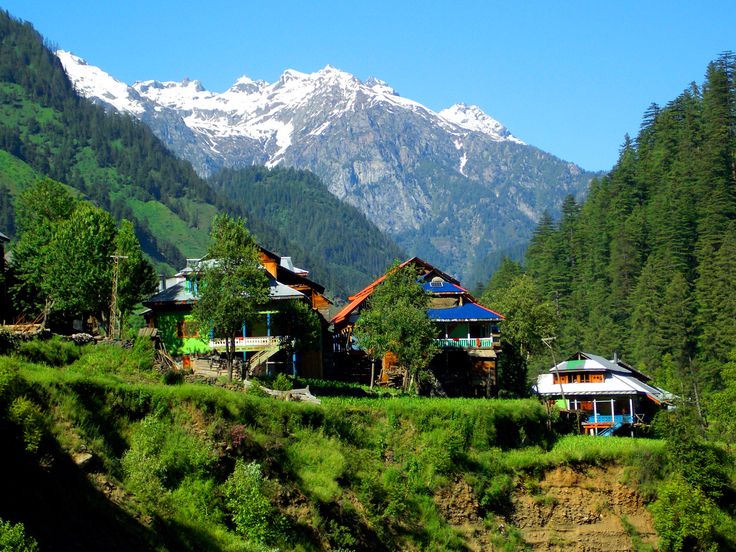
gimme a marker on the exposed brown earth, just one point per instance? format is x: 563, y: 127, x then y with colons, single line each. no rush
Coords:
x: 570, y: 509
x: 582, y: 510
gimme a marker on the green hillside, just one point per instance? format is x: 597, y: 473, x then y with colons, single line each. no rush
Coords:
x: 297, y: 203
x: 46, y: 129
x: 100, y: 450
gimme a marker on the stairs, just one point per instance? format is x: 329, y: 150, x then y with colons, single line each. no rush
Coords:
x: 261, y: 357
x: 609, y: 431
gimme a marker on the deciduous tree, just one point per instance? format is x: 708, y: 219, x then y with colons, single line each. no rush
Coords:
x: 233, y: 285
x: 396, y: 321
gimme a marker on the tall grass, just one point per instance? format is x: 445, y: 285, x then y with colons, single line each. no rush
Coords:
x: 350, y: 472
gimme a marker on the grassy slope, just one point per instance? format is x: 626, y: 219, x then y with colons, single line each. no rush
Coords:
x: 353, y: 473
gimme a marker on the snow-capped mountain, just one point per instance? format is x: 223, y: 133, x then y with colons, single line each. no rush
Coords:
x: 451, y: 186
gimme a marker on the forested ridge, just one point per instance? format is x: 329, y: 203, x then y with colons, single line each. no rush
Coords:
x: 297, y: 202
x: 646, y: 266
x: 46, y: 129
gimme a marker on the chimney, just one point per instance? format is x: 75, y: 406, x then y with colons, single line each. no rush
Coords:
x: 162, y: 282
x: 615, y: 357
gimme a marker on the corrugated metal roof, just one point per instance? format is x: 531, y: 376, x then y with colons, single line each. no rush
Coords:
x: 467, y: 312
x: 359, y: 298
x: 614, y: 384
x: 443, y: 287
x: 590, y: 362
x: 178, y: 294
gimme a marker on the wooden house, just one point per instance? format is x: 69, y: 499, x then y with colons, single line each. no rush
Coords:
x: 467, y: 332
x: 611, y: 395
x: 264, y: 342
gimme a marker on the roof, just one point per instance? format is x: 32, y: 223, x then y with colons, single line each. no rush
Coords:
x: 593, y: 363
x: 614, y: 384
x: 288, y: 264
x: 356, y: 300
x: 3, y: 237
x: 176, y: 294
x: 443, y: 287
x: 582, y: 361
x: 179, y: 295
x: 467, y: 312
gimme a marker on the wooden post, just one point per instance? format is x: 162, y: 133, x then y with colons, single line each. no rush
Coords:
x: 631, y: 413
x: 595, y: 416
x: 613, y: 419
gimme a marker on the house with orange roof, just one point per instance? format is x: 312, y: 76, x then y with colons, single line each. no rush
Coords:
x: 467, y: 332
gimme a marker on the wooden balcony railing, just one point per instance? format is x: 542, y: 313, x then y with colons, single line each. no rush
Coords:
x: 249, y: 343
x: 468, y: 343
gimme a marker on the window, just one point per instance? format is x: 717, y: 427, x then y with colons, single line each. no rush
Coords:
x: 579, y: 377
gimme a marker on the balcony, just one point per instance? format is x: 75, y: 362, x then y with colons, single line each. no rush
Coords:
x: 468, y: 342
x: 248, y: 344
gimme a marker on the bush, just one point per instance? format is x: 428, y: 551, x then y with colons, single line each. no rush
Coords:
x: 172, y: 377
x: 250, y: 509
x: 162, y: 454
x: 28, y: 417
x: 684, y: 517
x: 8, y: 342
x: 13, y: 538
x: 54, y: 352
x: 282, y: 382
x: 496, y: 495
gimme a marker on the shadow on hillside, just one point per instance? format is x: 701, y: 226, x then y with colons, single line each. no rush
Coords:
x: 61, y: 509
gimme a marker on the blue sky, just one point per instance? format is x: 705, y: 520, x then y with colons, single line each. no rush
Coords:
x: 571, y: 77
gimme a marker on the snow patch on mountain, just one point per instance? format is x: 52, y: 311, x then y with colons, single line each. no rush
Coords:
x: 472, y: 117
x: 93, y: 82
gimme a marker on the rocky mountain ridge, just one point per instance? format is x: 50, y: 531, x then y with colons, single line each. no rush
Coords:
x: 452, y: 186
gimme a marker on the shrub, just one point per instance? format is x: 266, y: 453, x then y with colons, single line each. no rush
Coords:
x: 194, y: 501
x: 319, y: 462
x: 54, y: 352
x: 13, y: 538
x: 8, y: 342
x: 684, y: 517
x: 282, y: 382
x: 250, y: 509
x: 172, y: 377
x: 28, y: 417
x: 161, y: 456
x: 496, y: 495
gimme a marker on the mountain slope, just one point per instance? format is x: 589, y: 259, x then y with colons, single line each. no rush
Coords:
x: 452, y: 186
x: 646, y: 266
x: 112, y: 159
x: 298, y: 203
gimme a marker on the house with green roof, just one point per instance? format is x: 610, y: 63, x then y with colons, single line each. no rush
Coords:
x: 611, y: 396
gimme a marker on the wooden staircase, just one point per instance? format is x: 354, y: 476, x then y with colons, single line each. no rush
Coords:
x: 261, y: 357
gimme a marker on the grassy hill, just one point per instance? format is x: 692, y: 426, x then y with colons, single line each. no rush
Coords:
x: 46, y: 129
x: 100, y: 451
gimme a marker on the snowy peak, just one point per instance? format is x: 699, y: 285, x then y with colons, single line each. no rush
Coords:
x: 472, y: 117
x: 184, y: 95
x: 93, y: 82
x: 246, y: 85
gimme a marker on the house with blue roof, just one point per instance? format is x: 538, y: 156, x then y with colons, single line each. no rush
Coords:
x: 467, y: 332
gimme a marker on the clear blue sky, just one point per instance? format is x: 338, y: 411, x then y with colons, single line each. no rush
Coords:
x: 571, y: 77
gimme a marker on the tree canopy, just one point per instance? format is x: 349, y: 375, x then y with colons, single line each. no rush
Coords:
x: 395, y: 321
x: 62, y: 260
x: 233, y: 286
